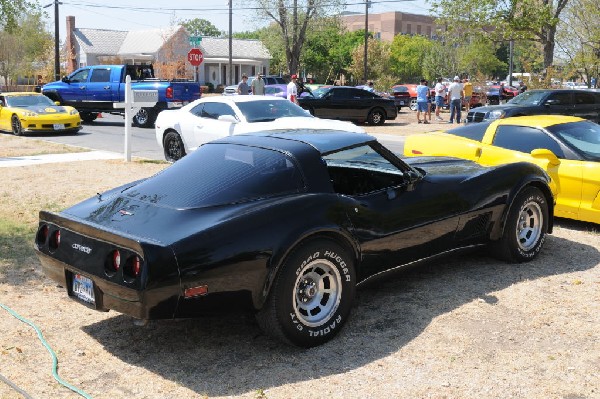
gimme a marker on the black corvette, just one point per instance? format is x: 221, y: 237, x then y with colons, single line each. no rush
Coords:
x: 286, y: 224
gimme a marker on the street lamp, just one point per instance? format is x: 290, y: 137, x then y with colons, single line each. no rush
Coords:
x: 56, y: 39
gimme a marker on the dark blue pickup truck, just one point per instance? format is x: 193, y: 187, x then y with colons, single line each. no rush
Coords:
x: 94, y: 89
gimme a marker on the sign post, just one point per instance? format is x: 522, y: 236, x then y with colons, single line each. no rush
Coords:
x: 195, y: 57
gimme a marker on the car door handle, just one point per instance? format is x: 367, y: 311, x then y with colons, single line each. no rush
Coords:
x: 106, y: 87
x: 81, y: 87
x: 478, y: 152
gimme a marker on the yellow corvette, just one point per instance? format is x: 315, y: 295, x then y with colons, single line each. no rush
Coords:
x: 22, y: 113
x: 568, y: 148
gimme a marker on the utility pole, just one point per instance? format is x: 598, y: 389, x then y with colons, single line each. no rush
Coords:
x: 56, y: 39
x: 367, y: 5
x: 230, y: 45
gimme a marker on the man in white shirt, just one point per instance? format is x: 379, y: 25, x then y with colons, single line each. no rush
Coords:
x: 440, y: 95
x: 455, y: 97
x: 292, y: 90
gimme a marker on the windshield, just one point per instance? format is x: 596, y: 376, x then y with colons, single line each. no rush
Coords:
x: 28, y: 101
x: 219, y: 174
x: 320, y: 92
x: 269, y: 110
x: 584, y: 136
x: 528, y: 98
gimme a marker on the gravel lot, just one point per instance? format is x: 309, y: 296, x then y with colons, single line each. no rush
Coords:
x: 464, y: 327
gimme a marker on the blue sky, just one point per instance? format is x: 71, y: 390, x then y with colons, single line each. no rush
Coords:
x: 149, y: 14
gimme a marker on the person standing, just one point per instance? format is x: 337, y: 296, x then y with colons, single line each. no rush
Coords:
x: 428, y: 113
x: 243, y: 87
x: 292, y: 90
x: 370, y: 86
x: 468, y: 91
x: 440, y: 94
x: 455, y: 97
x: 522, y: 87
x: 422, y: 91
x: 258, y: 85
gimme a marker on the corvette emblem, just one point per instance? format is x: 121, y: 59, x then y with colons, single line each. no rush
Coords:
x: 123, y: 212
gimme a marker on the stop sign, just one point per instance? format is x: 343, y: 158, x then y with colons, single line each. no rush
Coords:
x: 195, y: 56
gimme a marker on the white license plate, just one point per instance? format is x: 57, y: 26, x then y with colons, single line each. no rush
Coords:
x: 59, y: 126
x: 83, y: 288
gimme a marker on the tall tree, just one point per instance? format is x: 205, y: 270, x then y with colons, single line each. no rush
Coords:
x: 407, y: 54
x: 11, y: 11
x: 200, y: 27
x: 293, y: 17
x: 504, y: 20
x: 578, y: 40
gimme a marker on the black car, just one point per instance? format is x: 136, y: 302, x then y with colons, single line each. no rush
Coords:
x: 581, y: 103
x: 349, y: 103
x: 401, y: 96
x: 287, y: 225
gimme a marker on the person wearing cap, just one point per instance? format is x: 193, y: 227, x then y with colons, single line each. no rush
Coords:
x: 292, y: 90
x: 455, y: 98
x: 243, y: 87
x: 468, y: 92
x: 258, y: 85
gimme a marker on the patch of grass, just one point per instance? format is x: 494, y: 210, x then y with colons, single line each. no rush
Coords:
x: 151, y: 161
x: 16, y: 242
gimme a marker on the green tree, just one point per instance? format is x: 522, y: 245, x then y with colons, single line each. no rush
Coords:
x: 200, y: 27
x: 519, y: 20
x: 479, y: 58
x: 578, y: 40
x: 406, y: 56
x: 378, y: 61
x: 293, y: 19
x: 11, y: 12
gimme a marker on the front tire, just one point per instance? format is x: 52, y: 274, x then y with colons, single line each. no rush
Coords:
x: 88, y: 117
x: 173, y: 146
x: 16, y: 126
x: 413, y: 104
x: 311, y: 296
x: 525, y: 229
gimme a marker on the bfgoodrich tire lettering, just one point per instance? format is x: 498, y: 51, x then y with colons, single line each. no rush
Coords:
x: 311, y: 296
x: 525, y: 229
x: 173, y: 147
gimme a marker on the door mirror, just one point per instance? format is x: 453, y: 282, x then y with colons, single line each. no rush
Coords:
x: 66, y: 79
x: 227, y: 118
x: 542, y: 153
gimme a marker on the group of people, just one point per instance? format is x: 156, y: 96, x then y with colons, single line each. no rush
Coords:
x: 458, y: 94
x: 258, y: 87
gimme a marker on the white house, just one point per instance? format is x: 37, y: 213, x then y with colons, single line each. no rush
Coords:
x: 104, y: 46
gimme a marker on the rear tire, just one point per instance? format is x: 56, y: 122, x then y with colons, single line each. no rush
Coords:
x: 376, y: 117
x: 413, y: 104
x: 88, y: 117
x: 173, y: 146
x: 525, y: 229
x: 311, y: 296
x: 145, y: 118
x: 16, y: 126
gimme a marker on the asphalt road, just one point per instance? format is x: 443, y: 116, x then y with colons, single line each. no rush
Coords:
x: 108, y: 134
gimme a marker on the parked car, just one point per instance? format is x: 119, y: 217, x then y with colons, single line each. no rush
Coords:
x: 349, y: 103
x: 582, y: 103
x: 96, y: 88
x: 287, y: 225
x: 269, y: 80
x: 494, y: 96
x: 179, y: 132
x: 401, y: 96
x: 22, y: 113
x: 568, y: 148
x: 412, y: 90
x: 277, y: 90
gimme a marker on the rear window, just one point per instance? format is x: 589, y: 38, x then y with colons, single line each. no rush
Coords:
x: 218, y: 174
x: 473, y: 131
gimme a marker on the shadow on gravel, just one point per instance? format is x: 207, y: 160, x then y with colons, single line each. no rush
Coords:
x: 228, y: 355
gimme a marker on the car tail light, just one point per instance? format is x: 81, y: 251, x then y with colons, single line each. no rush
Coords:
x: 133, y: 267
x: 42, y: 235
x: 112, y: 264
x: 169, y: 93
x: 54, y: 242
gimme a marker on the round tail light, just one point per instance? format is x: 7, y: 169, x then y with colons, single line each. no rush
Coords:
x: 54, y: 242
x: 132, y: 269
x: 112, y: 263
x: 42, y: 235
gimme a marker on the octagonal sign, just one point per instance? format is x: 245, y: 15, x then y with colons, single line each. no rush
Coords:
x: 195, y: 56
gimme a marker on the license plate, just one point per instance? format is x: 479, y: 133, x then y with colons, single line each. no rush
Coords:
x: 83, y: 288
x: 59, y: 126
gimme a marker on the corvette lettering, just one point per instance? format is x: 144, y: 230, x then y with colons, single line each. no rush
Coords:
x: 82, y: 248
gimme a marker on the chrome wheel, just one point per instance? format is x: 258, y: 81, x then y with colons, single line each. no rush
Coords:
x: 317, y: 292
x: 529, y: 225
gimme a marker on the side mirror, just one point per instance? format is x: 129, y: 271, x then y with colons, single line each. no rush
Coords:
x: 542, y: 153
x: 551, y: 102
x: 66, y: 79
x: 227, y: 118
x: 57, y: 102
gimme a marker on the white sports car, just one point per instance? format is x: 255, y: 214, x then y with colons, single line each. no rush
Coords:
x: 181, y: 131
